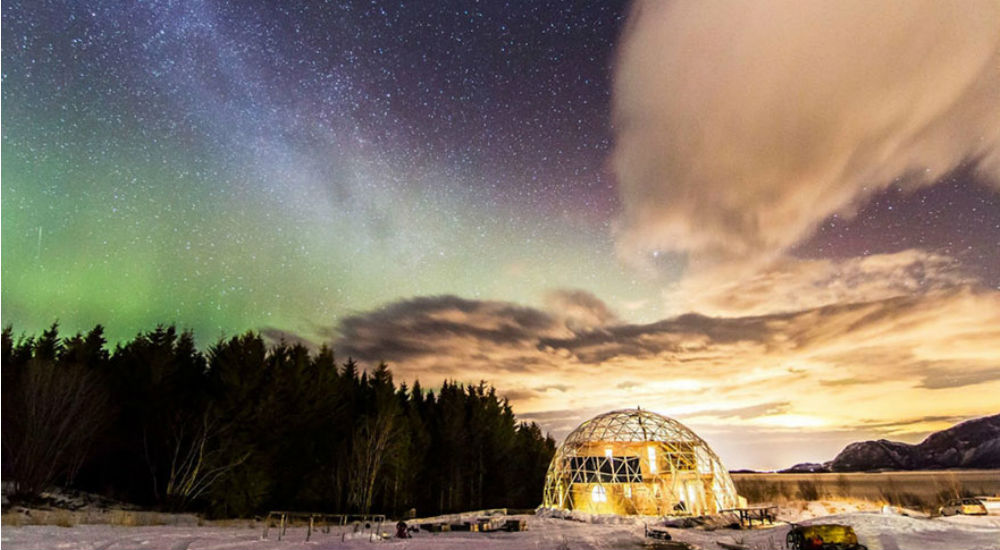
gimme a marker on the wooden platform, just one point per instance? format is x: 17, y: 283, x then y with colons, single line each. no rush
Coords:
x: 761, y: 514
x: 482, y: 524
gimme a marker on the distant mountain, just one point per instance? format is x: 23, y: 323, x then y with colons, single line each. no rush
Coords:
x: 876, y: 455
x: 806, y: 468
x: 971, y: 444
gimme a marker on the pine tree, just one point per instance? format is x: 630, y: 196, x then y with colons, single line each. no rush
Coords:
x: 248, y: 427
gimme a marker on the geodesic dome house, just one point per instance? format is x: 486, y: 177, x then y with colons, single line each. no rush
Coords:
x: 635, y: 462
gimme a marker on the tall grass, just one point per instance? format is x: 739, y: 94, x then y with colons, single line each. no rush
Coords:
x: 919, y: 490
x: 66, y: 518
x: 808, y: 489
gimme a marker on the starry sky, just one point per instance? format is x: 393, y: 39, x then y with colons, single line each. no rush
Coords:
x: 591, y: 204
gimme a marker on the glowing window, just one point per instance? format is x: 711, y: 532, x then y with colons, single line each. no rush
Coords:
x: 628, y: 491
x: 652, y: 460
x: 607, y: 452
x: 597, y: 494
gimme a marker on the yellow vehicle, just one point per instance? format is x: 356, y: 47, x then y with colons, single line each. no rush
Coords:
x: 825, y: 536
x: 964, y: 507
x: 992, y: 504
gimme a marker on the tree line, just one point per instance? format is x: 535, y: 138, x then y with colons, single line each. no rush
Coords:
x: 246, y: 427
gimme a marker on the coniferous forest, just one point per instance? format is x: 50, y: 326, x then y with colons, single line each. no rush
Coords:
x: 245, y: 427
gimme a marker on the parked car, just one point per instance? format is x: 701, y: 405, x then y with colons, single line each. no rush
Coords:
x: 964, y: 506
x: 826, y: 536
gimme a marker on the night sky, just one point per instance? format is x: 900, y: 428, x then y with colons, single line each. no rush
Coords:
x: 454, y: 187
x: 241, y: 166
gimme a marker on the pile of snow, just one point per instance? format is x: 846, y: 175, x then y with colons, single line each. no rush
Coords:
x: 803, y: 510
x: 901, y: 511
x: 877, y: 530
x: 602, y: 519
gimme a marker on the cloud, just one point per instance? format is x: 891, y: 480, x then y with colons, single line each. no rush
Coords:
x: 556, y: 387
x: 444, y: 335
x: 793, y: 284
x: 580, y: 310
x: 741, y: 124
x: 958, y: 375
x: 753, y: 411
x: 442, y: 317
x: 834, y: 369
x: 903, y: 423
x: 274, y: 335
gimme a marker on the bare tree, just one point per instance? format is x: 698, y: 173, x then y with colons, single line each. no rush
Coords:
x: 196, y: 462
x: 51, y: 418
x: 371, y: 445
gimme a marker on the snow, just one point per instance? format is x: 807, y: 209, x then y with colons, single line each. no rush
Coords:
x: 802, y: 511
x: 877, y: 530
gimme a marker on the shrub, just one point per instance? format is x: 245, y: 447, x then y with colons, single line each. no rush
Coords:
x: 51, y: 416
x: 756, y: 490
x: 843, y: 486
x: 906, y: 499
x: 63, y: 518
x: 14, y: 519
x: 808, y: 489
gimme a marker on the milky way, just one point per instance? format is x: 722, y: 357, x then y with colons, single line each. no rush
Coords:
x: 233, y: 166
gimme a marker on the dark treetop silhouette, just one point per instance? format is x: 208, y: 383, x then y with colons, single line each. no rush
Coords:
x: 245, y: 427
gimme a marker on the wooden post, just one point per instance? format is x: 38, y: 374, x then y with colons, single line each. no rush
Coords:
x: 281, y: 531
x: 309, y: 531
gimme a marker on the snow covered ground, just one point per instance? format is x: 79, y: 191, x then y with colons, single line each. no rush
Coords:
x: 876, y: 530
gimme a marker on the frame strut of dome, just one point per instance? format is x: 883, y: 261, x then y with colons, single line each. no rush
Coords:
x: 635, y: 462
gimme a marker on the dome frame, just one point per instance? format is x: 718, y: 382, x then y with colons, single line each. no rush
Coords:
x: 636, y: 462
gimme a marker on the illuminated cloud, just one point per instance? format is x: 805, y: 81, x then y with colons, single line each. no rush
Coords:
x: 846, y: 371
x: 793, y: 284
x: 580, y: 310
x: 743, y: 124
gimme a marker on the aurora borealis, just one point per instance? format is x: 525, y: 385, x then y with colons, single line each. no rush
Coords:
x: 534, y: 194
x: 197, y: 163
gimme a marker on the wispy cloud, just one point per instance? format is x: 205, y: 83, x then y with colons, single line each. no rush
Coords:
x: 579, y: 309
x: 275, y: 335
x: 793, y: 284
x: 830, y: 369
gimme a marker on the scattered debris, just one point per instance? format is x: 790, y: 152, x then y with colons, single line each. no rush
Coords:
x: 656, y: 532
x: 728, y: 520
